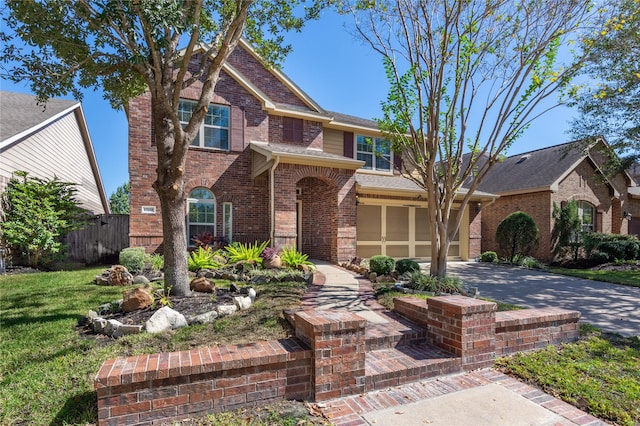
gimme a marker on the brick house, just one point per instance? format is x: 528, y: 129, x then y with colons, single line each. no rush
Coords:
x: 533, y: 181
x: 272, y: 164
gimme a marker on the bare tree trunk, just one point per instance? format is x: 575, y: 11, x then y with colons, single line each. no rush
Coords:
x: 175, y: 244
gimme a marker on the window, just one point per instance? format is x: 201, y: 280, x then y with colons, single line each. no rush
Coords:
x: 291, y: 129
x: 214, y: 131
x: 201, y: 215
x: 227, y: 221
x: 586, y: 213
x: 375, y: 152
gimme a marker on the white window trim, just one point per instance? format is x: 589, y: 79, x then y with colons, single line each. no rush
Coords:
x: 203, y: 126
x: 191, y: 201
x: 227, y: 225
x: 373, y: 153
x: 581, y: 205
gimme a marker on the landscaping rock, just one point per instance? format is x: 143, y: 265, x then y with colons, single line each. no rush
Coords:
x: 120, y: 276
x: 224, y: 310
x: 372, y: 277
x: 242, y: 302
x: 98, y: 325
x: 109, y: 308
x: 137, y: 298
x: 102, y: 280
x: 252, y: 294
x: 202, y: 285
x: 233, y: 288
x: 154, y: 276
x: 259, y: 279
x: 126, y: 329
x: 165, y: 319
x: 140, y: 279
x: 111, y: 326
x: 206, y: 318
x: 274, y: 263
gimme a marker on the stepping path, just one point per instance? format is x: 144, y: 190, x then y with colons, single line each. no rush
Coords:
x: 480, y: 397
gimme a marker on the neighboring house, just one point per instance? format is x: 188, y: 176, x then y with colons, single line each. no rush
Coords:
x: 534, y: 181
x: 271, y: 164
x: 49, y: 142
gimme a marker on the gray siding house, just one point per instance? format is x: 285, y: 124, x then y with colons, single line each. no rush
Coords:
x: 48, y: 142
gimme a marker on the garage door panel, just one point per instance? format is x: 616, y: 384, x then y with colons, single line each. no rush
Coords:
x: 397, y: 223
x: 368, y: 251
x: 422, y: 225
x: 398, y: 251
x: 369, y: 223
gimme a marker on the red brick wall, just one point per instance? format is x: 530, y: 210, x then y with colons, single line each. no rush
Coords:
x: 536, y: 204
x: 475, y: 230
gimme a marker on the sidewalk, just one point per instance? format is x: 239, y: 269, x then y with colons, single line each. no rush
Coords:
x: 481, y: 397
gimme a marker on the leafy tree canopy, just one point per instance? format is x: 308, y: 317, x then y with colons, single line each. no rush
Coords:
x: 119, y: 200
x: 610, y: 97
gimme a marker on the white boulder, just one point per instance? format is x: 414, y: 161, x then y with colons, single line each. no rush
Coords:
x: 165, y: 319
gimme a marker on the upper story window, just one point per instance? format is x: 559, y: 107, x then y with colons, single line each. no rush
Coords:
x: 586, y: 213
x: 214, y: 131
x: 292, y: 129
x: 375, y: 152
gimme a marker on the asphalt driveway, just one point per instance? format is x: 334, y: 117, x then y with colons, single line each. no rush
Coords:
x: 610, y: 307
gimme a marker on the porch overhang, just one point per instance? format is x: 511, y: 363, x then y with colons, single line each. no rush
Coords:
x: 264, y: 156
x: 634, y: 192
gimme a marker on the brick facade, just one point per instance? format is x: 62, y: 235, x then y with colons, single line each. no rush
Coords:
x: 327, y: 195
x: 583, y: 183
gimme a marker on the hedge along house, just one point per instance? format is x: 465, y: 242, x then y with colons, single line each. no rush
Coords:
x: 534, y: 181
x: 271, y: 164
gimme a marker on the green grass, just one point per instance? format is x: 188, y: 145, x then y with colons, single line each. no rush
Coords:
x: 47, y: 368
x: 599, y: 374
x: 631, y: 278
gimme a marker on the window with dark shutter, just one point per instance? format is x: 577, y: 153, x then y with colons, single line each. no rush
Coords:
x: 292, y: 129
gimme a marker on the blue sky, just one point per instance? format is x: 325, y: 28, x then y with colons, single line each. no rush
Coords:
x: 330, y: 65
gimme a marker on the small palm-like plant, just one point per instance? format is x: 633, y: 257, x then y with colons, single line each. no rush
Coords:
x: 292, y: 258
x: 202, y: 258
x: 246, y: 253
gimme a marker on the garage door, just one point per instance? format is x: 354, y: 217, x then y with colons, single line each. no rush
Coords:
x: 396, y: 231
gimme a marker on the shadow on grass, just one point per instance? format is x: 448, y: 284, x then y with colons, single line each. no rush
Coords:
x: 40, y: 319
x: 79, y: 409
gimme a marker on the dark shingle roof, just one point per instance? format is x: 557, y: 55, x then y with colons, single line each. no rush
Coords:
x: 353, y: 120
x: 19, y: 112
x: 534, y: 169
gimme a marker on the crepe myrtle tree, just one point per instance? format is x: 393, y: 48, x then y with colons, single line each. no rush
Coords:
x: 127, y: 48
x: 466, y: 79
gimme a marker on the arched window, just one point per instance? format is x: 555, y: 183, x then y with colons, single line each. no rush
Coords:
x: 201, y: 215
x: 587, y: 215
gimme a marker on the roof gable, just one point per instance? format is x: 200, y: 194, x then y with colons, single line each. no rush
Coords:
x: 20, y: 114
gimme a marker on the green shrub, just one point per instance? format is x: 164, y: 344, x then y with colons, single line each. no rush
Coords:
x: 530, y: 262
x: 246, y: 253
x: 517, y: 236
x: 292, y: 258
x: 381, y: 265
x: 156, y: 261
x: 599, y: 257
x: 406, y: 265
x: 202, y: 258
x: 489, y: 257
x: 617, y: 246
x: 424, y: 282
x: 567, y: 230
x: 133, y: 259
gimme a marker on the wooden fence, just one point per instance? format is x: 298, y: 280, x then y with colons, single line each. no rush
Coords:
x: 101, y: 241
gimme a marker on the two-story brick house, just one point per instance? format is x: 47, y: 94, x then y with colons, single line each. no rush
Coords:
x: 271, y: 164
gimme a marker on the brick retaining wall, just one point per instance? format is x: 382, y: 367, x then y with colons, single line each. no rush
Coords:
x: 326, y: 360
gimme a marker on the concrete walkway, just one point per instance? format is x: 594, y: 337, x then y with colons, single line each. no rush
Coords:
x: 481, y: 397
x: 610, y: 307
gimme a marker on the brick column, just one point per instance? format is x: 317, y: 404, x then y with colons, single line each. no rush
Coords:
x: 337, y: 341
x: 465, y: 327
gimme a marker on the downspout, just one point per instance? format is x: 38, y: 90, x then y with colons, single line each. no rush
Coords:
x: 272, y: 199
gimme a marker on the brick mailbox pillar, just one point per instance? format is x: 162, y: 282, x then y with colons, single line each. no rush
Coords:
x: 337, y: 341
x: 465, y: 327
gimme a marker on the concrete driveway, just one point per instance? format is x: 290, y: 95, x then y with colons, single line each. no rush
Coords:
x: 610, y: 307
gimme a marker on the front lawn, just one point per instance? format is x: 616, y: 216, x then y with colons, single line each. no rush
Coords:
x: 631, y: 278
x: 47, y: 367
x: 599, y: 374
